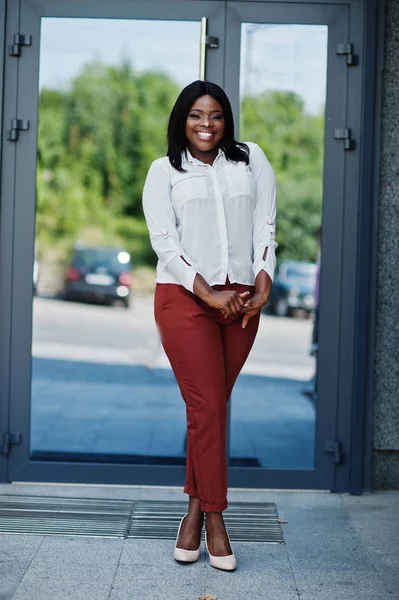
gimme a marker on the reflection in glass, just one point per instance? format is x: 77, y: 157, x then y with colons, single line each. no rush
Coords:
x: 102, y: 388
x: 282, y: 99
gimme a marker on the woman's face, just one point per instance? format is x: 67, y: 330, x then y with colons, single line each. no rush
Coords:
x: 204, y: 126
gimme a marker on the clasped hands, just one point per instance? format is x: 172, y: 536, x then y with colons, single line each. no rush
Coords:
x: 230, y: 303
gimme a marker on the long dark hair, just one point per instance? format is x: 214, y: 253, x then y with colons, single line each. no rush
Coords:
x: 177, y: 142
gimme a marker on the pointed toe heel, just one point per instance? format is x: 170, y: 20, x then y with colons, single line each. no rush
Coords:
x: 185, y: 556
x: 224, y: 563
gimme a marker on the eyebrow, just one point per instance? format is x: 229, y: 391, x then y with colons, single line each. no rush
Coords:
x: 201, y: 111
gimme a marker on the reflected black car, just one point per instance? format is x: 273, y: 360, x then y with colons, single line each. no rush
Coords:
x: 99, y: 274
x: 293, y: 288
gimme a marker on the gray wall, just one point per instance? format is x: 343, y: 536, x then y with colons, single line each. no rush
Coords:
x: 386, y: 392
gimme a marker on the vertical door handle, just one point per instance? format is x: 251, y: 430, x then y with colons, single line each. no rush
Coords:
x: 206, y: 41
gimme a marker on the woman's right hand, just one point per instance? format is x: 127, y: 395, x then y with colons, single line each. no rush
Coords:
x: 228, y: 302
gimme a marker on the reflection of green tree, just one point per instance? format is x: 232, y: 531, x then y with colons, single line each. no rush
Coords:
x: 96, y: 142
x: 293, y: 142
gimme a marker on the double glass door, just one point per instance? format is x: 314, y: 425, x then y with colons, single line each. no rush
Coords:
x: 86, y: 383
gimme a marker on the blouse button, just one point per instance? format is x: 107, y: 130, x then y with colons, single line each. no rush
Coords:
x: 164, y: 232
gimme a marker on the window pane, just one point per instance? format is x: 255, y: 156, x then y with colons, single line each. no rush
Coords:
x: 282, y: 99
x: 102, y: 388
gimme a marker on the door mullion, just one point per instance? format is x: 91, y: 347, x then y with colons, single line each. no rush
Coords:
x: 7, y: 215
x: 24, y: 228
x: 331, y: 271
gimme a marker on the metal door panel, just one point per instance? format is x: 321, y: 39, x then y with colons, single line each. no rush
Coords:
x: 334, y: 336
x: 22, y: 93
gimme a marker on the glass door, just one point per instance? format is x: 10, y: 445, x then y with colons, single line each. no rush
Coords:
x: 91, y: 392
x: 288, y: 85
x: 89, y: 86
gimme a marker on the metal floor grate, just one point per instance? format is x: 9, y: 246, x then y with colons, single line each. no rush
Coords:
x: 51, y: 515
x: 245, y: 522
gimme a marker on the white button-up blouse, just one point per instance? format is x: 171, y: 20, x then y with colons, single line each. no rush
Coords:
x: 216, y: 220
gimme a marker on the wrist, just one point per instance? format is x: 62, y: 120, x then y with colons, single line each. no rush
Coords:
x: 209, y: 295
x: 263, y: 284
x: 201, y: 288
x: 262, y: 296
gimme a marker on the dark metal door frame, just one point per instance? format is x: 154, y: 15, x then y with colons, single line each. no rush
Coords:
x: 18, y: 218
x: 356, y: 297
x: 337, y: 20
x: 4, y: 276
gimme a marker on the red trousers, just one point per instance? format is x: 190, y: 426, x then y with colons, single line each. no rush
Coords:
x: 206, y: 352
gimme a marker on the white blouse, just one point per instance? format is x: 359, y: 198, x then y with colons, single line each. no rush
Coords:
x: 214, y: 220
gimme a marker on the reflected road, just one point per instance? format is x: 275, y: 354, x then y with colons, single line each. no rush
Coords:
x: 86, y: 332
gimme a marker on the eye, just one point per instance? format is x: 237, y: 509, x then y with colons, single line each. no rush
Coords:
x: 217, y: 117
x: 194, y: 116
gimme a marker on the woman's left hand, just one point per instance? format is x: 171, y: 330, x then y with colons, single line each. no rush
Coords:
x: 263, y: 287
x: 253, y: 306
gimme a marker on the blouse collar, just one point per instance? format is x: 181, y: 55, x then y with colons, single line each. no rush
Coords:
x: 187, y: 157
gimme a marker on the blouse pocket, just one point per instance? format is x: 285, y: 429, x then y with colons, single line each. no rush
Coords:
x: 188, y: 188
x: 239, y: 179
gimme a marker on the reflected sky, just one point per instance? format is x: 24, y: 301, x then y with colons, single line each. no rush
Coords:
x: 293, y: 56
x: 285, y: 57
x: 68, y: 44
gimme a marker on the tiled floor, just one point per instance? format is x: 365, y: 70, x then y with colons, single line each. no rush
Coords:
x: 337, y: 547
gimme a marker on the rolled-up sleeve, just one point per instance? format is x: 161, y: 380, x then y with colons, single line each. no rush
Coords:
x: 161, y: 223
x: 264, y: 216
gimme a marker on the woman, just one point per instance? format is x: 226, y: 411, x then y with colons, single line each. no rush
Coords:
x: 210, y: 207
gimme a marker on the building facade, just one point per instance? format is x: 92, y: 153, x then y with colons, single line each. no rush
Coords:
x: 316, y: 84
x: 386, y: 391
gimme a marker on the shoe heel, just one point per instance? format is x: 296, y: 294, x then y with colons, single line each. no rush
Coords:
x: 224, y: 563
x: 185, y: 556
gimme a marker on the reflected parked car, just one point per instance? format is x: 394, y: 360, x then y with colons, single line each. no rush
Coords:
x: 99, y: 274
x: 293, y: 288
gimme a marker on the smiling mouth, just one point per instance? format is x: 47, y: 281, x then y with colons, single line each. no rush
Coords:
x: 204, y: 135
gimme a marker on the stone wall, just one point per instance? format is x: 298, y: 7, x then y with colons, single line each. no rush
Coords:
x: 386, y: 392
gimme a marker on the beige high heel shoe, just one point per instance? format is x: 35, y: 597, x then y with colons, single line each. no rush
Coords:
x: 225, y: 563
x: 186, y: 556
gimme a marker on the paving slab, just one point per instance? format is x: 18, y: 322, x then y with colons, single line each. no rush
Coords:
x: 338, y: 560
x: 149, y: 553
x: 159, y: 582
x: 173, y: 494
x: 376, y: 504
x: 251, y: 495
x: 380, y: 538
x: 71, y: 568
x: 307, y: 499
x: 65, y: 490
x: 16, y: 554
x: 263, y: 571
x: 343, y: 593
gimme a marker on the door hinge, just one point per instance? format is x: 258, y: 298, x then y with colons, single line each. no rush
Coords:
x: 211, y: 41
x: 17, y: 125
x: 8, y: 440
x: 19, y: 40
x: 335, y: 449
x: 346, y: 135
x: 347, y: 50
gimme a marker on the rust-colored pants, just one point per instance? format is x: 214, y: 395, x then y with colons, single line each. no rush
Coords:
x: 206, y: 352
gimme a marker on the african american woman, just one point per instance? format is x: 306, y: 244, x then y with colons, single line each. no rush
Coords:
x: 210, y: 207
